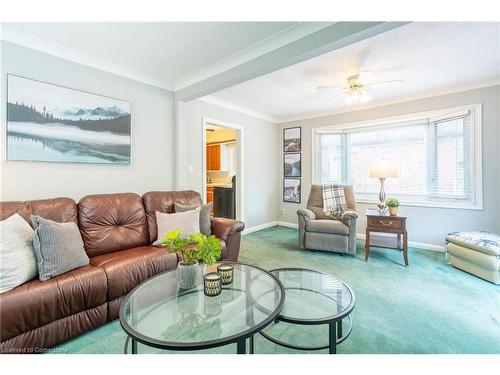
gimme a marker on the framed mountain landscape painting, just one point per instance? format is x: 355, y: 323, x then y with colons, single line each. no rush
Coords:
x: 46, y: 122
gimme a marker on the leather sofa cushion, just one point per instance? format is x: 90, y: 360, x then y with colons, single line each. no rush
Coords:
x: 61, y: 210
x: 163, y: 201
x: 125, y: 269
x: 327, y: 226
x: 111, y: 222
x: 39, y: 339
x: 37, y: 303
x: 7, y: 209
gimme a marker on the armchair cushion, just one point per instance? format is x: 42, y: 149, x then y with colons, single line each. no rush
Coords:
x: 328, y: 226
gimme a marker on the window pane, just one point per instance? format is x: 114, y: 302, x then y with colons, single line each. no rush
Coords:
x: 404, y: 145
x: 434, y: 156
x: 450, y: 159
x: 330, y: 155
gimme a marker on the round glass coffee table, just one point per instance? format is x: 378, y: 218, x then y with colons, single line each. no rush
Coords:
x: 158, y: 313
x: 313, y: 298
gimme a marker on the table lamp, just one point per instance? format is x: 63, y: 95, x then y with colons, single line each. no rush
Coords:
x: 383, y: 169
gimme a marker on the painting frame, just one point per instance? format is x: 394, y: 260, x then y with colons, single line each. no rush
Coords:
x: 286, y: 196
x: 288, y: 139
x: 120, y: 123
x: 288, y: 171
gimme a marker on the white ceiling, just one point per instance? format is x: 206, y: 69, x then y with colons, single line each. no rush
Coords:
x: 165, y: 52
x: 432, y: 58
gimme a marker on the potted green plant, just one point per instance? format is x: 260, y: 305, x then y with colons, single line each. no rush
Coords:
x: 193, y: 248
x: 393, y: 205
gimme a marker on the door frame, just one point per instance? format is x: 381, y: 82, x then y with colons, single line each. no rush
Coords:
x: 240, y: 136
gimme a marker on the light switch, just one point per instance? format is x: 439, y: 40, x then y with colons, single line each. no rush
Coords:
x: 190, y: 169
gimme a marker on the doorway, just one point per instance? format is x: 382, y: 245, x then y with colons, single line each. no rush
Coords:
x: 222, y: 168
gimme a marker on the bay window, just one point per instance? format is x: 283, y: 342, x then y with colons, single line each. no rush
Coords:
x: 437, y: 154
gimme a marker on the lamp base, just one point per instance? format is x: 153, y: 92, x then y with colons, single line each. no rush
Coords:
x: 382, y: 208
x: 381, y: 197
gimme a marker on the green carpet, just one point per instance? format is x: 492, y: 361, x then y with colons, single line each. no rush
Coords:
x: 429, y: 307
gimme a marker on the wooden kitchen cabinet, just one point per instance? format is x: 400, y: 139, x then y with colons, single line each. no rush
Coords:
x: 213, y: 157
x: 210, y: 194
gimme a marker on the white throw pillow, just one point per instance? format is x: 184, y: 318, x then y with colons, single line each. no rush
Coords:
x: 188, y: 222
x: 17, y: 258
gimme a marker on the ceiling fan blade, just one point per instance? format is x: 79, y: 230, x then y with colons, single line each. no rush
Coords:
x: 364, y: 77
x: 336, y: 97
x: 385, y: 82
x: 329, y: 87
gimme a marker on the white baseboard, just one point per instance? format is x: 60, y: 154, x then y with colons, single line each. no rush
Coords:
x: 259, y: 227
x: 360, y: 236
x: 418, y: 245
x: 288, y: 225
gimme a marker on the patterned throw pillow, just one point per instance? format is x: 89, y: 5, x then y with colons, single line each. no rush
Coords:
x: 58, y: 247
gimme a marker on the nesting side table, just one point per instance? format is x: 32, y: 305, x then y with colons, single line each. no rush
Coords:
x: 384, y: 223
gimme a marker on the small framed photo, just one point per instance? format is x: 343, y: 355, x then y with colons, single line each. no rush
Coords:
x: 291, y: 165
x: 292, y: 139
x: 291, y: 190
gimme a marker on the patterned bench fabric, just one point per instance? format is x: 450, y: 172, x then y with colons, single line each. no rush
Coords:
x: 485, y: 242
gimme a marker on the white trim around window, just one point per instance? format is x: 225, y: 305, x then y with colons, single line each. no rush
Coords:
x: 429, y: 117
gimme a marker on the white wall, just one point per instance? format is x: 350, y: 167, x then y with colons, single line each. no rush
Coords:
x: 259, y: 158
x: 152, y: 134
x: 427, y: 225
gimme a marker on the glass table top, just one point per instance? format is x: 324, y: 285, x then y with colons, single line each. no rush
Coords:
x: 160, y: 313
x: 313, y: 296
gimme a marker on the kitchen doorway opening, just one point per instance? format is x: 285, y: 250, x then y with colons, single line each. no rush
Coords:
x: 222, y: 176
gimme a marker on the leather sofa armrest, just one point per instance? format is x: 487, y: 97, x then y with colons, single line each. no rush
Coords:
x: 229, y: 231
x: 306, y: 213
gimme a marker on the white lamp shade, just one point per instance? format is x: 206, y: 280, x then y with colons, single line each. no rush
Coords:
x: 383, y: 168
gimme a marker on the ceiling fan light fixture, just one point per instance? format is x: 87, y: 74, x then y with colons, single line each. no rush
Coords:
x: 365, y: 97
x: 357, y: 95
x: 355, y: 92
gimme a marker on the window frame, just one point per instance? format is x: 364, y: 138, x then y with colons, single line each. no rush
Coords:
x: 476, y: 202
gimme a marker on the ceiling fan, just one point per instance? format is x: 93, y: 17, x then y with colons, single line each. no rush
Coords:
x: 355, y: 90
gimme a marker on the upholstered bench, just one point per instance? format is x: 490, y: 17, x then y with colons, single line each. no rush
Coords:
x: 477, y: 253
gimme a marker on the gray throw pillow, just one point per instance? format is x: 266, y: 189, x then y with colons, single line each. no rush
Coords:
x: 58, y: 247
x: 205, y: 225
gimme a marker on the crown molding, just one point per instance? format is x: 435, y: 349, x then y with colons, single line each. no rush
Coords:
x: 273, y: 42
x: 286, y: 36
x: 210, y: 99
x: 386, y: 102
x: 11, y: 35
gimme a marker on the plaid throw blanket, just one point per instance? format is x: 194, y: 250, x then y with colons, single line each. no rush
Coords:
x: 334, y: 203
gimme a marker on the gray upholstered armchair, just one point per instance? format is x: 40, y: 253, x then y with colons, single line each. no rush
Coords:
x: 320, y: 232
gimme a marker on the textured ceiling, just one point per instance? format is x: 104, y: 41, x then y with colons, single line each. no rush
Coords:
x: 432, y: 58
x: 167, y: 51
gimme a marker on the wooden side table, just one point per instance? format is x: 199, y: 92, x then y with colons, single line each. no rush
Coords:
x: 385, y: 223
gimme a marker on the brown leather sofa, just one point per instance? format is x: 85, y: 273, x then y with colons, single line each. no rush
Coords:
x: 117, y: 231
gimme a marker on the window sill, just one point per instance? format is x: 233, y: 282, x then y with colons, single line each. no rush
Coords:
x: 428, y: 204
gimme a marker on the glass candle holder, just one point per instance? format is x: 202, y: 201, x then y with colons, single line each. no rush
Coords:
x: 212, y: 306
x: 226, y: 271
x: 212, y: 284
x: 227, y: 295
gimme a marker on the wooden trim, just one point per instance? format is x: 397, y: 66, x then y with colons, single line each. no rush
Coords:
x: 221, y: 143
